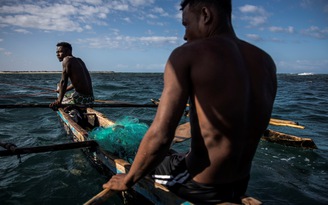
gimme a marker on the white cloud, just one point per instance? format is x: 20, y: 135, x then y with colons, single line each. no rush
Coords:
x: 22, y: 31
x: 129, y: 42
x: 37, y: 22
x: 160, y: 11
x: 251, y: 9
x: 254, y: 37
x: 72, y: 16
x: 276, y: 29
x: 59, y: 17
x: 141, y: 2
x: 127, y: 19
x: 255, y: 15
x: 316, y: 32
x: 315, y: 4
x: 159, y: 39
x: 88, y: 27
x: 118, y: 6
x: 92, y: 2
x: 152, y: 16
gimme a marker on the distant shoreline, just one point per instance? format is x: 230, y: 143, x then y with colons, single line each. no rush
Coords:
x: 45, y: 72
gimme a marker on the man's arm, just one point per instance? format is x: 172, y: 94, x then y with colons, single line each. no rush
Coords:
x: 70, y: 87
x: 157, y: 140
x: 62, y: 86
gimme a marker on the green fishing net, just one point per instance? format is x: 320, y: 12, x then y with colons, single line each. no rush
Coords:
x: 121, y: 139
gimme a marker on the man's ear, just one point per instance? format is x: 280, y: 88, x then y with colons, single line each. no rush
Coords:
x: 206, y: 15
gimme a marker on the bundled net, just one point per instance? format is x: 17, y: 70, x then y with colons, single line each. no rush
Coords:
x: 121, y: 139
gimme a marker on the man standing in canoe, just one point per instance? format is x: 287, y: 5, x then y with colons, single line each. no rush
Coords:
x: 75, y: 70
x: 231, y: 86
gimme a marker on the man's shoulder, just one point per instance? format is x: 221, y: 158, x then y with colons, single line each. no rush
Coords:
x: 67, y: 59
x: 189, y: 47
x: 252, y: 47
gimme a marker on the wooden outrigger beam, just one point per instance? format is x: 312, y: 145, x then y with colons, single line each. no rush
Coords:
x: 288, y: 123
x: 273, y: 121
x: 14, y: 150
x: 182, y: 133
x: 288, y: 140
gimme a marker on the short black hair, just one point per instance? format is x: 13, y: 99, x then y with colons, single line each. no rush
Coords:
x: 224, y: 6
x: 65, y: 45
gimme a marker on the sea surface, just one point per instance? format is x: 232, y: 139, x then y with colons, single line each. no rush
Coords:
x: 280, y: 174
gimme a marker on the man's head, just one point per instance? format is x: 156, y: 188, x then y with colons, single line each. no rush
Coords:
x: 223, y: 6
x: 63, y: 49
x: 203, y: 18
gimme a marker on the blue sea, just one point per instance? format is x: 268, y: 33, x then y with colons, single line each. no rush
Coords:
x: 280, y: 174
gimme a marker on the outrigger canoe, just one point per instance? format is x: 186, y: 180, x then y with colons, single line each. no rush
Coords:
x: 146, y: 190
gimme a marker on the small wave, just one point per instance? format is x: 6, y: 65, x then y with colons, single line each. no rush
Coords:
x: 305, y: 74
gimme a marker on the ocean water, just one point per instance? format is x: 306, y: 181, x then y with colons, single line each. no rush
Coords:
x: 280, y: 174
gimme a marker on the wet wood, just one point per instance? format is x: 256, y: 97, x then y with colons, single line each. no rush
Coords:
x: 13, y: 150
x: 101, y: 197
x: 40, y: 105
x: 288, y: 140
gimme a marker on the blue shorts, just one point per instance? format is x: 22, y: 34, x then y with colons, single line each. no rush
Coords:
x: 173, y: 173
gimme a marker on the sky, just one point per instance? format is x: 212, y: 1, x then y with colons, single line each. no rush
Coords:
x: 139, y: 35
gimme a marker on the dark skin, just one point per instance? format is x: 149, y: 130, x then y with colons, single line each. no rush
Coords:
x: 75, y: 70
x: 231, y: 85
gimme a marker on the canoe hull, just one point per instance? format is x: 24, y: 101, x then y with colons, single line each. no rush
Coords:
x: 109, y: 164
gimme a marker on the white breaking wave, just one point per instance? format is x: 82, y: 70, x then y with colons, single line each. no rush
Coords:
x: 305, y: 74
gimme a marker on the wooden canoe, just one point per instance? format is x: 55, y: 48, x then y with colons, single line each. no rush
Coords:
x: 147, y: 190
x: 288, y: 140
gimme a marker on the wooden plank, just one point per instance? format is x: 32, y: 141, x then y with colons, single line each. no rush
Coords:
x: 288, y: 140
x: 278, y: 122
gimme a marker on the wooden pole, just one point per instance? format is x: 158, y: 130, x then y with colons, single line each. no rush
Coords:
x: 278, y: 122
x: 36, y: 105
x: 13, y: 150
x: 101, y: 197
x: 182, y: 133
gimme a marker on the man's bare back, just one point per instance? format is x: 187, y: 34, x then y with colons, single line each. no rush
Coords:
x: 78, y: 74
x: 226, y: 97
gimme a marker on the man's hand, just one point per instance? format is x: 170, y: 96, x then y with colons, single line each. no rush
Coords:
x: 55, y: 105
x: 116, y: 183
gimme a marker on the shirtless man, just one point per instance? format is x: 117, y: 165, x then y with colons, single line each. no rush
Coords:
x: 231, y: 86
x: 75, y: 70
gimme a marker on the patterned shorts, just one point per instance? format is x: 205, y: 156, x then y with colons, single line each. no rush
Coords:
x: 77, y: 98
x: 82, y: 99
